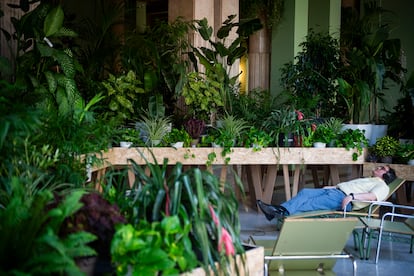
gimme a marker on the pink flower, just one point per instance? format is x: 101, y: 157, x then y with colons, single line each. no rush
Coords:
x: 313, y: 127
x: 227, y: 241
x: 300, y: 115
x: 213, y: 215
x: 225, y: 238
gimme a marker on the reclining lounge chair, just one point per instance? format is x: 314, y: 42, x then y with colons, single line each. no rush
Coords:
x: 308, y: 246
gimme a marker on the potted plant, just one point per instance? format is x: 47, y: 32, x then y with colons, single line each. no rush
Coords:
x: 211, y: 138
x: 202, y: 95
x: 178, y: 138
x: 385, y: 148
x: 404, y: 154
x: 335, y: 124
x: 310, y: 81
x: 371, y: 58
x: 154, y: 129
x: 129, y: 137
x: 195, y: 127
x: 122, y: 93
x: 285, y: 123
x: 328, y: 131
x: 353, y: 139
x: 175, y: 208
x: 323, y: 135
x: 219, y: 82
x: 232, y: 126
x: 257, y: 138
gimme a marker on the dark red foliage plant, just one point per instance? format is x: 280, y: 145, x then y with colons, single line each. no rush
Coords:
x: 96, y: 216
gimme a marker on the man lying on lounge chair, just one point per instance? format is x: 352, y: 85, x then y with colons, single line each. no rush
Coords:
x: 337, y: 197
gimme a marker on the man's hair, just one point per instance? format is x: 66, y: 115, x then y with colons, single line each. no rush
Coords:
x: 389, y: 176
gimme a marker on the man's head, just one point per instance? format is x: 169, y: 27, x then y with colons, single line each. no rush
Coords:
x: 385, y: 172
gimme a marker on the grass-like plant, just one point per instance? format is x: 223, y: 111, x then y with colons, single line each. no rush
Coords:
x: 233, y: 126
x: 154, y: 129
x: 191, y: 198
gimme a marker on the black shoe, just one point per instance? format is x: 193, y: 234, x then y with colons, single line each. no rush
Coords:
x: 272, y: 211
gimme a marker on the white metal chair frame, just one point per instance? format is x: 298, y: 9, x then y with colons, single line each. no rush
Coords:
x: 384, y: 222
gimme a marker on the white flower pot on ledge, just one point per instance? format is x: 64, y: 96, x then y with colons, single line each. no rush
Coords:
x: 124, y: 144
x: 319, y: 145
x: 177, y: 144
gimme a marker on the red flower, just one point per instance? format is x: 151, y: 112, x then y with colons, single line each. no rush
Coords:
x: 300, y: 115
x: 225, y: 238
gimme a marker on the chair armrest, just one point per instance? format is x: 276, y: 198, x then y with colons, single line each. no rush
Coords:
x: 393, y: 213
x: 371, y: 204
x: 390, y: 214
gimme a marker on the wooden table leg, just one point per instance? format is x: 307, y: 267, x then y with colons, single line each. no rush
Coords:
x: 255, y: 184
x: 295, y: 186
x: 286, y: 181
x: 131, y: 177
x: 269, y: 182
x: 223, y: 174
x: 334, y: 174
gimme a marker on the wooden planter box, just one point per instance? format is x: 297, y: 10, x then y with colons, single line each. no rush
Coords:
x: 254, y: 264
x: 270, y: 159
x: 238, y: 156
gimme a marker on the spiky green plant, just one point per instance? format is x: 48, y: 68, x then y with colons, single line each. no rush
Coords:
x: 188, y: 194
x: 233, y: 126
x: 154, y: 129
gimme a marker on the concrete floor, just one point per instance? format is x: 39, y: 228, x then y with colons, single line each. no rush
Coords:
x: 394, y: 259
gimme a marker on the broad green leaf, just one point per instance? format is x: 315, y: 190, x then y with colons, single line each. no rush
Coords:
x: 51, y: 81
x: 53, y: 21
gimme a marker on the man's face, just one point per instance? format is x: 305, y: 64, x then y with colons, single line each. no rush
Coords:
x: 380, y: 170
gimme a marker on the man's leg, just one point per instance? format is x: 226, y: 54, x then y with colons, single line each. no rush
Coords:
x: 315, y: 199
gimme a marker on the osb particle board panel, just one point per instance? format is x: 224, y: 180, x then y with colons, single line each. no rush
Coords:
x: 403, y: 171
x: 240, y: 156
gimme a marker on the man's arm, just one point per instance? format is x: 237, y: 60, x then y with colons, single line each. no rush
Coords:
x: 360, y: 196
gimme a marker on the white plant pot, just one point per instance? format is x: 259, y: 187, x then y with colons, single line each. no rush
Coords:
x: 177, y: 144
x: 124, y: 144
x: 377, y: 132
x: 406, y: 141
x: 411, y: 162
x: 365, y: 127
x: 214, y: 145
x: 319, y: 145
x: 155, y: 143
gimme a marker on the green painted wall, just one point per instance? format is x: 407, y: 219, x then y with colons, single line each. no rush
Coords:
x: 319, y: 15
x: 286, y: 39
x: 324, y: 15
x: 405, y: 20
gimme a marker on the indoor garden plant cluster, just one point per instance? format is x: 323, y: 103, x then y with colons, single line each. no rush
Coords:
x: 177, y: 220
x: 59, y: 103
